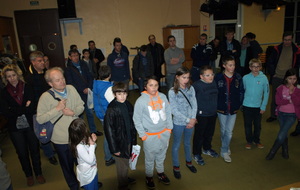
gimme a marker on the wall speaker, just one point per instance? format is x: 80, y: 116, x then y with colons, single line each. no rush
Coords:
x: 66, y: 8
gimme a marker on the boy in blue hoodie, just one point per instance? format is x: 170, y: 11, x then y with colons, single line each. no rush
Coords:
x: 256, y: 97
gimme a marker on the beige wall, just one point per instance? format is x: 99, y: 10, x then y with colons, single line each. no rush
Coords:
x: 134, y: 20
x: 267, y: 30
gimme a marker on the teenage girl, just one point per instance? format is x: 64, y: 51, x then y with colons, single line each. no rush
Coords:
x: 184, y: 109
x: 82, y: 146
x: 288, y: 108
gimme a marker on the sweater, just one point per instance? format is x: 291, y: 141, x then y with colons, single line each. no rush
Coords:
x: 201, y: 54
x: 87, y: 166
x: 100, y: 90
x: 181, y: 110
x: 119, y: 64
x: 207, y: 96
x: 173, y: 53
x: 152, y: 114
x: 46, y: 111
x: 280, y: 100
x: 256, y: 91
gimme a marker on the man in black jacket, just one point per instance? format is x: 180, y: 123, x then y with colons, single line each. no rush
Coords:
x: 96, y: 55
x: 35, y: 77
x: 77, y: 74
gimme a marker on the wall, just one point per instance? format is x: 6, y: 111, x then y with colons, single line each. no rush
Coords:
x: 267, y: 30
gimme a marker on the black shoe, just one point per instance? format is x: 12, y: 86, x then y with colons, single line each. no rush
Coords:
x: 177, y: 174
x: 53, y: 160
x: 109, y: 162
x: 162, y: 177
x: 271, y: 119
x: 100, y: 185
x: 98, y: 133
x: 131, y: 181
x: 150, y: 183
x: 192, y: 168
x: 294, y: 134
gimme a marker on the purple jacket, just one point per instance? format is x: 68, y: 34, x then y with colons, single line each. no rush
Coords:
x: 294, y: 97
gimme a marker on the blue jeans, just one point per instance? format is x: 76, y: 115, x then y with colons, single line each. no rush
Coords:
x: 178, y: 130
x: 286, y: 121
x: 170, y: 80
x: 226, y: 125
x: 93, y: 185
x: 48, y: 150
x: 90, y: 118
x: 107, y: 153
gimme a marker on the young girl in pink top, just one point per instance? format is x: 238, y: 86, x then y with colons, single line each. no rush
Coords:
x: 288, y: 110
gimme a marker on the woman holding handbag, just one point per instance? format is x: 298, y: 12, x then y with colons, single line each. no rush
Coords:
x: 17, y: 104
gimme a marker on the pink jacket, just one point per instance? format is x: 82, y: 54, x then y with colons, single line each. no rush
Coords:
x: 295, y: 97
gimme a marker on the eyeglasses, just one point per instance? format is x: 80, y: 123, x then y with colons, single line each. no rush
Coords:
x: 209, y: 75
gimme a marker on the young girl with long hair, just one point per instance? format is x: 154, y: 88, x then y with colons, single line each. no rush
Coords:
x: 184, y: 109
x: 288, y: 110
x: 82, y: 146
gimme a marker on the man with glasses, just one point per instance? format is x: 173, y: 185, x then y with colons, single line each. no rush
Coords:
x: 284, y: 57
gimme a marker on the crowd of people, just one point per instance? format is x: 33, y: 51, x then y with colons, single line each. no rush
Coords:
x: 196, y: 98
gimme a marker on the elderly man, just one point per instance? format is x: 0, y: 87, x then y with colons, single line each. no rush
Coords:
x: 49, y: 109
x: 35, y: 77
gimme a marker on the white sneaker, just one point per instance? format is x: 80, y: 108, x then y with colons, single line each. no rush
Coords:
x: 226, y: 157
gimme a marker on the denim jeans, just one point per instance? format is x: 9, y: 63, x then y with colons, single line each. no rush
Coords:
x: 226, y: 125
x: 48, y: 150
x: 90, y: 118
x: 286, y: 121
x: 170, y: 80
x: 252, y: 116
x: 177, y: 131
x: 93, y: 185
x: 107, y: 153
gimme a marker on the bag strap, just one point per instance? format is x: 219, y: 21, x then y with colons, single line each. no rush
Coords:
x: 186, y: 98
x: 58, y: 99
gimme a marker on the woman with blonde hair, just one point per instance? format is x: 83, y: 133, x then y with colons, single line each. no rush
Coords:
x: 17, y: 106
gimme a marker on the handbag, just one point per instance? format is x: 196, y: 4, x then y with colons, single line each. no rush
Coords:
x: 22, y: 122
x: 134, y: 156
x: 44, y: 131
x: 186, y: 98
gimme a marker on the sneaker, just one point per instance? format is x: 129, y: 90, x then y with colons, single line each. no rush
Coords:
x: 177, y: 173
x: 131, y: 181
x: 30, y: 181
x: 271, y: 119
x: 259, y: 145
x: 248, y: 146
x: 226, y: 157
x: 199, y: 160
x: 40, y: 179
x: 53, y: 160
x: 150, y: 183
x: 211, y: 153
x: 162, y: 177
x: 229, y: 152
x: 192, y: 168
x: 109, y: 162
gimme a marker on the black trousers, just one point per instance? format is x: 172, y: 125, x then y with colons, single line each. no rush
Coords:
x: 203, y: 134
x: 67, y: 163
x: 252, y: 116
x: 26, y: 144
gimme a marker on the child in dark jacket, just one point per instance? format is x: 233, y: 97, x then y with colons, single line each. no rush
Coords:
x: 120, y: 132
x: 230, y: 98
